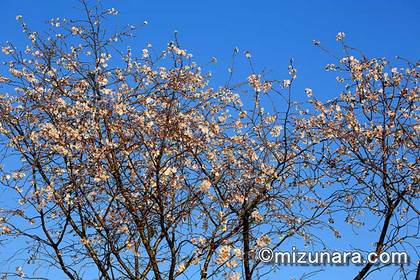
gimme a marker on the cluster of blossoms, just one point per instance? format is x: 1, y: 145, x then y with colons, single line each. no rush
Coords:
x: 257, y: 85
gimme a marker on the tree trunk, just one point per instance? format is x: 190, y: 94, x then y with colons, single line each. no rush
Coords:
x: 379, y: 246
x: 245, y: 233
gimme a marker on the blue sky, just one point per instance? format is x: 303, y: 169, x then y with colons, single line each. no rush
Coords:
x: 273, y: 31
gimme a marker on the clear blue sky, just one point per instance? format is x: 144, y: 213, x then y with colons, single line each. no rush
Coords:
x: 273, y: 31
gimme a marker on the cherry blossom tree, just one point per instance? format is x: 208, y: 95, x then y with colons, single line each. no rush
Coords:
x: 134, y: 167
x: 256, y: 182
x: 369, y: 144
x: 125, y: 166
